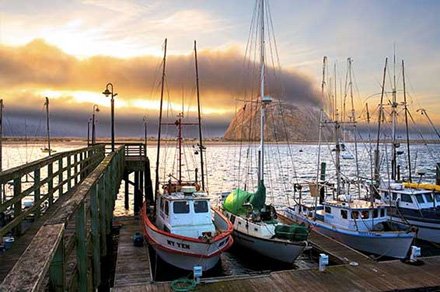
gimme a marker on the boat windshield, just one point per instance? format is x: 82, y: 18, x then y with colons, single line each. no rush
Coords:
x: 420, y: 199
x: 428, y: 198
x: 200, y: 206
x: 181, y: 207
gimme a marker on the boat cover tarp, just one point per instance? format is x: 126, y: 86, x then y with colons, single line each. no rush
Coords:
x: 292, y: 232
x: 236, y: 200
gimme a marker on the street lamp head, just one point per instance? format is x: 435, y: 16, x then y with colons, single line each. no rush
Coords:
x: 95, y: 108
x: 107, y: 92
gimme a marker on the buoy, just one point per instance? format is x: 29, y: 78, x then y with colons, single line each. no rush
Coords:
x: 138, y: 239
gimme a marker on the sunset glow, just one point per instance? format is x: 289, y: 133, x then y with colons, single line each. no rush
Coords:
x: 69, y: 50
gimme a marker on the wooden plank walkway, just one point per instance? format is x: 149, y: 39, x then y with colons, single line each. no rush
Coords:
x: 383, y: 276
x: 132, y: 263
x: 9, y: 258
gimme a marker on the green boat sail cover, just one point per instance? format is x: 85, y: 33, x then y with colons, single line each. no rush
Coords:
x: 237, y: 200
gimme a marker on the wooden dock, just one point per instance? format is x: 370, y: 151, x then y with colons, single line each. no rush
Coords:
x: 132, y: 263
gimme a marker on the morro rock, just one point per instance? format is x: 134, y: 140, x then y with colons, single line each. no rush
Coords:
x: 284, y: 122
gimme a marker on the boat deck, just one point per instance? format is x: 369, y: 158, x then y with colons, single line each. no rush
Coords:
x: 132, y: 263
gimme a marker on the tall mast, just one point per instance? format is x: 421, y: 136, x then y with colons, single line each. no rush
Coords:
x: 323, y: 84
x: 353, y: 120
x: 406, y: 122
x: 179, y: 140
x: 47, y: 125
x: 265, y: 100
x: 394, y: 120
x: 156, y: 189
x: 199, y: 116
x: 376, y: 152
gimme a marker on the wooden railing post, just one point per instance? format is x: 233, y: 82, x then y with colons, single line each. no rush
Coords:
x: 102, y: 215
x: 69, y: 173
x: 60, y: 178
x: 81, y: 247
x: 96, y: 245
x: 75, y: 169
x: 17, y: 205
x: 57, y: 271
x: 50, y: 183
x: 37, y: 212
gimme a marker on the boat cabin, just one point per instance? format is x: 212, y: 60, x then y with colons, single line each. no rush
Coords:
x: 409, y: 198
x: 186, y: 213
x: 354, y: 215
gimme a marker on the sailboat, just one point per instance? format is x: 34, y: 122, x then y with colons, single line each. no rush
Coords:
x: 47, y: 149
x: 182, y: 227
x: 361, y: 224
x: 409, y: 202
x: 255, y: 223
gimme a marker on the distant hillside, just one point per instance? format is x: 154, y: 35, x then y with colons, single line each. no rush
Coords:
x: 284, y: 122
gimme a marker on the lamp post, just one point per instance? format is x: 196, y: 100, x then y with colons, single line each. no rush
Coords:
x: 95, y: 109
x: 88, y: 131
x: 110, y: 93
x: 145, y: 133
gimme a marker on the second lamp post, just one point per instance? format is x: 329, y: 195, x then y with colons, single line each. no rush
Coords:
x: 109, y: 92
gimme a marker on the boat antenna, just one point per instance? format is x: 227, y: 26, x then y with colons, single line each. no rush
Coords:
x: 46, y: 104
x: 156, y: 186
x: 406, y: 121
x: 265, y: 100
x: 379, y: 123
x: 199, y: 116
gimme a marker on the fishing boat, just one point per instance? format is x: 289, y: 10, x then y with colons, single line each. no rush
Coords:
x: 181, y: 226
x: 409, y: 202
x: 255, y: 223
x: 359, y: 223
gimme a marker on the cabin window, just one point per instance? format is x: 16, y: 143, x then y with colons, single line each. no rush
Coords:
x: 181, y: 207
x: 354, y: 214
x: 394, y: 196
x: 200, y: 206
x: 382, y: 212
x: 167, y: 207
x: 161, y: 204
x: 437, y: 197
x: 420, y: 199
x: 232, y: 219
x: 328, y: 209
x: 428, y: 198
x: 344, y: 214
x: 406, y: 198
x: 375, y: 213
x: 365, y: 214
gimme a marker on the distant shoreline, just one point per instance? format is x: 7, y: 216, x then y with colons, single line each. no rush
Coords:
x: 152, y: 142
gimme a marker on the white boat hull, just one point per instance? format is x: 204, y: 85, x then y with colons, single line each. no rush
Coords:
x: 282, y: 251
x: 425, y: 230
x: 389, y: 244
x: 185, y: 253
x: 185, y: 262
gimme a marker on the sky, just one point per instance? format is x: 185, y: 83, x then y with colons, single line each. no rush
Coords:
x: 69, y: 50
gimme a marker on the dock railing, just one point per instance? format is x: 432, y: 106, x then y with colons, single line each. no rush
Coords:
x: 28, y: 190
x: 70, y: 245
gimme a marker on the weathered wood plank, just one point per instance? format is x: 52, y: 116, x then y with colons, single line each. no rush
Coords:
x: 27, y: 274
